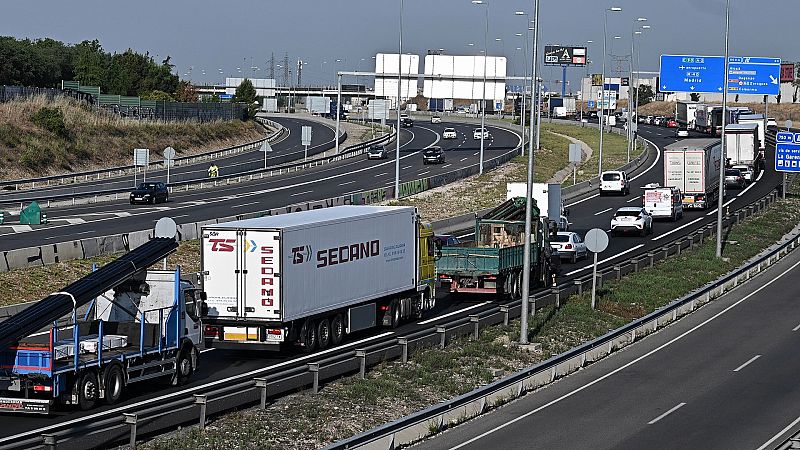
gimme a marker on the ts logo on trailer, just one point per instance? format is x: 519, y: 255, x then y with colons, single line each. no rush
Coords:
x: 301, y: 255
x: 222, y: 245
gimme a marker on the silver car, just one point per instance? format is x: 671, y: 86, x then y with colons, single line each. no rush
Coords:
x: 632, y: 219
x: 569, y: 245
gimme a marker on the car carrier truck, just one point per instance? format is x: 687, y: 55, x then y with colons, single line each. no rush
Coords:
x: 493, y: 264
x: 310, y: 278
x: 692, y: 165
x: 138, y: 326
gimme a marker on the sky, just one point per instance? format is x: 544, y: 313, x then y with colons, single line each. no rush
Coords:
x: 203, y: 37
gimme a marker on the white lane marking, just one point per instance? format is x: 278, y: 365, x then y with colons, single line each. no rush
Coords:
x: 407, y: 167
x: 423, y: 173
x: 581, y: 201
x: 21, y: 228
x: 68, y: 235
x: 473, y: 234
x: 678, y: 406
x: 729, y: 202
x: 476, y: 154
x: 446, y: 166
x: 633, y: 199
x: 301, y: 193
x: 748, y: 362
x: 625, y: 366
x: 192, y: 389
x: 178, y: 217
x: 75, y: 221
x: 381, y: 174
x: 796, y: 328
x: 607, y: 259
x: 434, y: 319
x: 712, y: 212
x: 346, y: 183
x: 758, y: 178
x: 463, y: 159
x: 658, y: 157
x: 676, y: 229
x: 242, y: 205
x: 603, y: 211
x: 745, y: 189
x: 122, y: 214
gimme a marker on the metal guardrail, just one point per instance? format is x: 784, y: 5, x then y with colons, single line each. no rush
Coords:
x: 253, y: 388
x: 113, y: 194
x: 110, y: 172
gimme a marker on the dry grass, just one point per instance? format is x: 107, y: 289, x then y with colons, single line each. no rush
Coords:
x: 95, y: 139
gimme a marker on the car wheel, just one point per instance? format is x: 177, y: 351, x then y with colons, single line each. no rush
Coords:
x: 574, y: 257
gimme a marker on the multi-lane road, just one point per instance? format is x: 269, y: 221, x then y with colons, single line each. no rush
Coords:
x: 347, y: 176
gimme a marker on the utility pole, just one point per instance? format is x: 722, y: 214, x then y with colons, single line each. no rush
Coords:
x: 299, y: 71
x: 286, y: 69
x: 272, y: 66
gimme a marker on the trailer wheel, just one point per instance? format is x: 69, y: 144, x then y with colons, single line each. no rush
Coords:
x: 308, y: 335
x: 87, y: 389
x: 337, y: 330
x: 324, y: 333
x: 113, y: 383
x: 517, y: 285
x: 183, y: 367
x: 395, y: 319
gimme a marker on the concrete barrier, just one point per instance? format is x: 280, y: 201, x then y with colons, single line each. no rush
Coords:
x: 3, y: 263
x: 24, y: 257
x: 68, y: 251
x: 138, y: 238
x: 48, y: 254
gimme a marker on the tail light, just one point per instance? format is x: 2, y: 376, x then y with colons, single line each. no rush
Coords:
x: 384, y: 307
x: 275, y: 331
x: 42, y: 388
x: 568, y: 247
x: 211, y: 332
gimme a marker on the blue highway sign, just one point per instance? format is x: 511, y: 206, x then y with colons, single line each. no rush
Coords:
x: 590, y: 103
x: 787, y: 152
x: 688, y: 73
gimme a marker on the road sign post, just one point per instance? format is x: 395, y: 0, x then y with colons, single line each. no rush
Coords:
x: 596, y: 242
x: 267, y: 149
x: 169, y: 158
x: 574, y: 159
x: 787, y: 154
x: 306, y: 140
x: 141, y: 157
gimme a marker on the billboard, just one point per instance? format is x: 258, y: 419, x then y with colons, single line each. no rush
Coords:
x: 787, y: 72
x: 461, y: 77
x: 386, y: 86
x: 563, y: 55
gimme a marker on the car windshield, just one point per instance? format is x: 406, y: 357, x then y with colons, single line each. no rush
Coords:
x: 432, y: 151
x: 147, y: 186
x: 611, y: 177
x: 561, y: 238
x: 627, y: 214
x: 375, y: 149
x: 449, y: 130
x: 732, y: 173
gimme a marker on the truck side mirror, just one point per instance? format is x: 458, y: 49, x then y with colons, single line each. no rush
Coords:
x: 203, y: 296
x: 203, y: 309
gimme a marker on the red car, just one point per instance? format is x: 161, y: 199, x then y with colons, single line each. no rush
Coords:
x: 672, y: 123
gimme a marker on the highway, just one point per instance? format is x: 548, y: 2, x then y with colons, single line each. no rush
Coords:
x: 318, y: 183
x: 353, y: 176
x: 322, y: 139
x: 721, y: 378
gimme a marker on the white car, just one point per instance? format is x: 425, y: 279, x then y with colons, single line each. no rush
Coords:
x: 436, y: 119
x: 614, y: 181
x: 746, y: 171
x: 476, y: 134
x: 569, y: 245
x: 449, y: 133
x: 632, y: 219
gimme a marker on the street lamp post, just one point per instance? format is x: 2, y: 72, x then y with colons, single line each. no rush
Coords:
x: 636, y: 84
x: 483, y: 97
x: 584, y: 99
x: 399, y: 93
x: 631, y: 83
x: 724, y: 121
x: 526, y: 262
x: 603, y: 86
x: 525, y: 83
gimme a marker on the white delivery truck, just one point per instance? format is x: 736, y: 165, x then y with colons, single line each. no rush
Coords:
x: 692, y: 165
x: 685, y: 115
x: 318, y: 105
x: 548, y: 200
x: 758, y: 120
x: 312, y: 277
x: 663, y: 202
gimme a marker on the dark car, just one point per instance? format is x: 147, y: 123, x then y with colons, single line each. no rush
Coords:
x: 433, y: 155
x: 377, y: 151
x: 150, y: 193
x: 406, y: 122
x: 734, y: 178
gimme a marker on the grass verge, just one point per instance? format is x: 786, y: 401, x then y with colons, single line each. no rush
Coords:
x: 393, y: 389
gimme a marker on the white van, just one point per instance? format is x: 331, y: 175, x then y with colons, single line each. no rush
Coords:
x: 614, y: 181
x: 663, y: 202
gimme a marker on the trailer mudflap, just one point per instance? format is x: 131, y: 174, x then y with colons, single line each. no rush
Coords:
x: 25, y: 405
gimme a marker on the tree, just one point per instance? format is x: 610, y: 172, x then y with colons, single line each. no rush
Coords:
x: 186, y: 92
x: 157, y: 95
x: 91, y: 63
x: 645, y: 94
x: 694, y: 96
x: 246, y: 93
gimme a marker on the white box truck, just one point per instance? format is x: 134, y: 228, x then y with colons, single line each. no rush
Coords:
x: 310, y: 278
x: 741, y: 140
x: 758, y: 120
x: 548, y: 200
x: 692, y: 165
x: 685, y: 114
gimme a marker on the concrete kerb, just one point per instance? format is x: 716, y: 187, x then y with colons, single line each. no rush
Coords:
x: 24, y: 257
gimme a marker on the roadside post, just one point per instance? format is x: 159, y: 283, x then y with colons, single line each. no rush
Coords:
x: 141, y: 157
x: 306, y: 140
x: 574, y: 159
x: 787, y: 154
x: 267, y: 149
x: 169, y: 160
x: 165, y: 228
x: 596, y: 242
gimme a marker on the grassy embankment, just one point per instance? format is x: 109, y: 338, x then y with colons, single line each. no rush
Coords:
x: 781, y: 112
x: 40, y: 137
x: 393, y: 389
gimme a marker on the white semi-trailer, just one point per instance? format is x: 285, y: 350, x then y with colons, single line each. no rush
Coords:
x: 312, y: 277
x: 692, y: 165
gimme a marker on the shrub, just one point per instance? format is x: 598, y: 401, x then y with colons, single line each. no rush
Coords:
x: 52, y: 120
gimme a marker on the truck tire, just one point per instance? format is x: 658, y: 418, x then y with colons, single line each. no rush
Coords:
x: 394, y: 320
x: 337, y: 330
x: 308, y: 336
x: 184, y: 368
x: 113, y: 383
x: 323, y: 333
x: 87, y: 389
